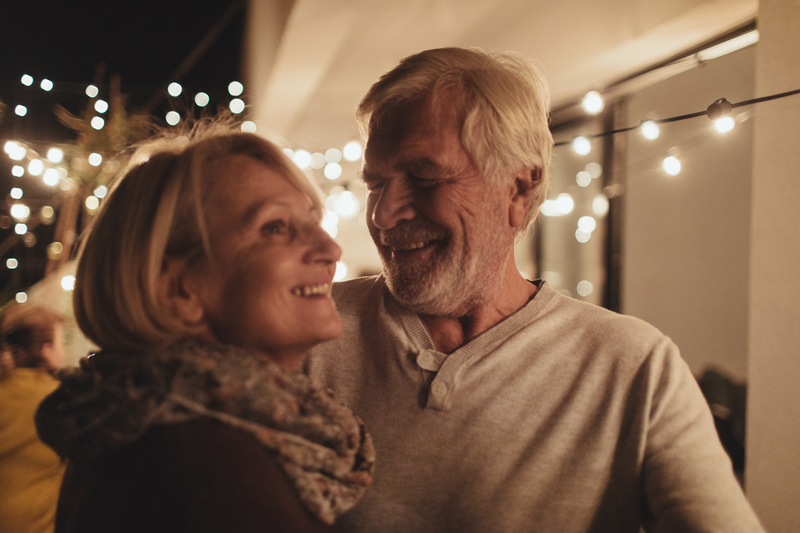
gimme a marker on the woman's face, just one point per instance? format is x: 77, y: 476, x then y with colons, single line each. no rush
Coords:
x: 269, y: 286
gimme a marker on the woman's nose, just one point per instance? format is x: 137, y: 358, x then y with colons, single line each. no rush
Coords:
x: 392, y: 203
x: 323, y: 248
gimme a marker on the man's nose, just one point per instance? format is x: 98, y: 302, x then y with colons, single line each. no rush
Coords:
x: 394, y: 203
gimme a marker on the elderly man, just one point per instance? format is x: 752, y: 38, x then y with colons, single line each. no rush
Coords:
x: 498, y: 404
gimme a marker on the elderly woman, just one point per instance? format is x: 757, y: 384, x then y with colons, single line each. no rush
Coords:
x: 30, y: 473
x: 204, y: 280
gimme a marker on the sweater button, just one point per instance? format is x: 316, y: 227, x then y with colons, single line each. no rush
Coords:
x: 439, y: 389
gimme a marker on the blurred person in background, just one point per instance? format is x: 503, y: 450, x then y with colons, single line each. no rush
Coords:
x: 204, y: 279
x: 30, y: 472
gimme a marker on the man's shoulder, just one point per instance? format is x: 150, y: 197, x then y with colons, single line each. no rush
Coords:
x: 598, y: 323
x: 355, y: 294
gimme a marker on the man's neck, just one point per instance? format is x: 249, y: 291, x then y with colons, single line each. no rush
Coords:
x: 449, y: 333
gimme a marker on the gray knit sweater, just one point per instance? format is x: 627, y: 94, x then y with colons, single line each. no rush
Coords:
x: 564, y: 417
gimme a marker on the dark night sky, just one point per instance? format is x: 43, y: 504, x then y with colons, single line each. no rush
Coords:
x: 143, y: 42
x: 64, y: 41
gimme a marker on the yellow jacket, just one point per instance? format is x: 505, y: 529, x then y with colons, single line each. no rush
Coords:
x: 30, y: 472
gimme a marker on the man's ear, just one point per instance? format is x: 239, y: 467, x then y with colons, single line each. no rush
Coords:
x: 177, y: 292
x: 520, y: 196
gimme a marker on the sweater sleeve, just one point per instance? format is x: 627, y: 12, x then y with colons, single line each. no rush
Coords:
x: 688, y: 479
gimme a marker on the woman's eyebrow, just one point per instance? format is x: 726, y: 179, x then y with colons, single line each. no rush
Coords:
x: 252, y: 211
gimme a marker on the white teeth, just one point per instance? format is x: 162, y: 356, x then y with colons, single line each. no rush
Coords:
x: 311, y: 290
x: 412, y: 246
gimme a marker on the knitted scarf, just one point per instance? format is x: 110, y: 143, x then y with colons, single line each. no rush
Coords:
x: 112, y: 398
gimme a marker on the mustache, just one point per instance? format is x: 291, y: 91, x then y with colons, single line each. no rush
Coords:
x: 417, y: 229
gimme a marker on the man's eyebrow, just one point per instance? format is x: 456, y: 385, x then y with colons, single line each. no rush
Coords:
x: 423, y: 167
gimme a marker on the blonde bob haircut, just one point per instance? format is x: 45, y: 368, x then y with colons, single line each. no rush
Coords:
x: 503, y: 103
x: 159, y: 209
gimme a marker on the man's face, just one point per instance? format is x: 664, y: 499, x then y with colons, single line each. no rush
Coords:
x: 441, y: 230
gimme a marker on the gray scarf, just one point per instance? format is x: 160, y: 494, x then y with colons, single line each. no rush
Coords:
x: 112, y: 398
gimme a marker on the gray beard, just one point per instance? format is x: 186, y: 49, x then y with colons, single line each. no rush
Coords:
x: 450, y: 284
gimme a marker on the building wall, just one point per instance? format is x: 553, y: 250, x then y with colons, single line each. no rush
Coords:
x: 686, y: 237
x: 772, y: 473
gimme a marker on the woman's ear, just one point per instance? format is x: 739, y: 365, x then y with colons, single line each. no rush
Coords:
x: 520, y: 197
x: 178, y: 292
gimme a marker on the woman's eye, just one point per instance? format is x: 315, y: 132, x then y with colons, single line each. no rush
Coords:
x: 277, y: 227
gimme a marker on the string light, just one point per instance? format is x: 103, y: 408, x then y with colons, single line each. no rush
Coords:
x: 235, y: 88
x: 341, y: 271
x: 564, y: 203
x: 236, y: 106
x: 672, y: 165
x: 352, y: 151
x: 50, y: 177
x: 201, y: 99
x: 248, y: 126
x: 593, y: 103
x: 332, y: 155
x: 95, y: 159
x: 333, y: 171
x: 55, y: 155
x: 21, y: 110
x: 20, y: 229
x: 317, y: 160
x: 35, y: 167
x: 98, y: 123
x: 11, y: 263
x: 581, y: 145
x: 92, y: 91
x: 173, y: 117
x: 21, y: 297
x: 583, y: 178
x: 650, y: 130
x: 20, y: 212
x: 27, y: 80
x: 68, y: 283
x: 101, y: 106
x: 17, y: 171
x: 46, y: 85
x: 101, y: 191
x: 724, y: 124
x: 15, y: 193
x: 174, y: 89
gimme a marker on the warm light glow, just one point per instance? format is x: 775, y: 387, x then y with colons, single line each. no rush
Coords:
x: 15, y: 151
x: 174, y: 89
x: 352, y: 151
x: 593, y: 102
x: 17, y: 171
x: 650, y: 130
x: 55, y: 155
x: 724, y: 124
x: 236, y: 106
x: 15, y: 193
x: 582, y: 236
x: 92, y: 91
x: 333, y: 171
x: 173, y: 117
x: 50, y: 177
x: 101, y: 106
x: 55, y: 248
x: 672, y: 166
x: 564, y: 203
x: 317, y: 160
x: 332, y: 155
x: 581, y: 145
x: 66, y: 184
x: 302, y: 158
x: 550, y: 208
x: 587, y: 224
x: 201, y: 99
x: 248, y: 126
x: 35, y: 167
x: 101, y: 191
x: 11, y: 263
x: 27, y: 80
x: 341, y: 271
x: 330, y: 223
x: 20, y: 229
x: 21, y: 297
x: 583, y: 178
x: 68, y: 283
x: 345, y: 204
x: 21, y: 110
x: 98, y: 123
x: 20, y: 212
x: 289, y: 152
x: 585, y: 288
x: 235, y: 88
x: 46, y: 85
x: 600, y: 205
x: 95, y: 159
x: 47, y: 213
x: 594, y: 170
x: 92, y: 203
